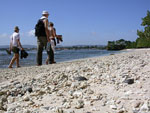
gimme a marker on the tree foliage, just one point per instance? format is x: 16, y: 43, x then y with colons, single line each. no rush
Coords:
x: 146, y: 20
x: 120, y: 44
x: 143, y: 40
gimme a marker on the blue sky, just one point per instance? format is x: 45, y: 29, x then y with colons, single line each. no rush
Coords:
x: 86, y: 22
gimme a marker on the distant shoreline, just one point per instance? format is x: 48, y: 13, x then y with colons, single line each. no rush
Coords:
x: 76, y: 47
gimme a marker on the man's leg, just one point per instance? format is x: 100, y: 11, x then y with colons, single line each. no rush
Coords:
x: 39, y: 52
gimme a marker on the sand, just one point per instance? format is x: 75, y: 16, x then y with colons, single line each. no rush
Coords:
x: 118, y: 83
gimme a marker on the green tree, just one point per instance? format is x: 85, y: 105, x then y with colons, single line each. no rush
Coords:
x: 143, y: 39
x: 146, y: 20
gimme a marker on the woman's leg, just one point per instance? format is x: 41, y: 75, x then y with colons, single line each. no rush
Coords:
x: 12, y: 61
x: 53, y: 49
x: 17, y: 60
x: 47, y: 60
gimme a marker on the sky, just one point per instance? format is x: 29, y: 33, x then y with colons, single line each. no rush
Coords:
x: 81, y: 22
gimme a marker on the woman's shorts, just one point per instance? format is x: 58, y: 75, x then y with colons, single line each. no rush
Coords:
x: 15, y: 50
x: 53, y: 45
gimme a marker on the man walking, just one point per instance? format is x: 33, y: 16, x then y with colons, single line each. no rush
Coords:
x: 42, y: 33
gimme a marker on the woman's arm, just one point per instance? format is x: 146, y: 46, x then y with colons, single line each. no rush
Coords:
x: 10, y: 47
x: 54, y: 32
x: 19, y: 43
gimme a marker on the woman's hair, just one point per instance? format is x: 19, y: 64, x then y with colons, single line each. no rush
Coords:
x: 51, y: 24
x: 16, y: 28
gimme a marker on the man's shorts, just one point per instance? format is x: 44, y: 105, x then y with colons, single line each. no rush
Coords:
x: 15, y: 50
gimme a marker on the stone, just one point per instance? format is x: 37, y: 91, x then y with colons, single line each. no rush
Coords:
x: 10, y: 99
x: 30, y: 102
x: 26, y: 98
x: 80, y: 78
x: 75, y: 85
x: 4, y: 98
x: 72, y: 111
x: 59, y: 110
x: 137, y: 104
x: 18, y: 86
x: 3, y: 93
x: 12, y: 108
x: 46, y: 108
x: 26, y: 111
x: 120, y: 111
x: 83, y: 85
x: 77, y: 94
x: 129, y: 81
x: 113, y: 107
x: 145, y: 107
x: 79, y: 104
x: 1, y: 111
x: 67, y: 105
x: 89, y: 91
x: 1, y: 106
x: 29, y: 89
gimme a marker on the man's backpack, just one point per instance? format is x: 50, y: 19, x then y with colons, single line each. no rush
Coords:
x: 40, y: 28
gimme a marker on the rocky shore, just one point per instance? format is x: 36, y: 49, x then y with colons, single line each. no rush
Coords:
x: 117, y: 83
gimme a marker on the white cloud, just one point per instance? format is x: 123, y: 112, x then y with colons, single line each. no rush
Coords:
x: 4, y: 35
x: 4, y: 39
x: 93, y: 33
x: 133, y: 31
x: 31, y: 33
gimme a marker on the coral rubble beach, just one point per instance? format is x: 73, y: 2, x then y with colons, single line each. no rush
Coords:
x: 117, y: 83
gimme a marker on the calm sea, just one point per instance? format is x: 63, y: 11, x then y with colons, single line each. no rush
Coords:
x: 60, y: 56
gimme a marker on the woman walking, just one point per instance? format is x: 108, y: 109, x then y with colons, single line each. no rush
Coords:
x: 14, y: 46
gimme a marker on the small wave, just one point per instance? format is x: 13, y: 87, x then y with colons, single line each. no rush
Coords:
x: 60, y: 56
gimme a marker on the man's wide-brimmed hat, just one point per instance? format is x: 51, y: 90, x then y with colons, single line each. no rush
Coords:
x: 16, y: 28
x: 45, y: 13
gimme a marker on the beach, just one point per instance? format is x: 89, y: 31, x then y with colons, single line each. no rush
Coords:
x: 118, y: 83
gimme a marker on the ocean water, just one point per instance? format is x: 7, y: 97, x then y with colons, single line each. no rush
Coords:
x: 60, y: 56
